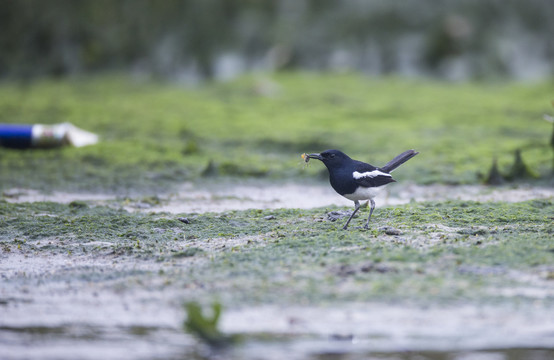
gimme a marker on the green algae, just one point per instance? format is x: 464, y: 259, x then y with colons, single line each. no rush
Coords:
x: 447, y: 251
x: 156, y: 135
x: 206, y: 327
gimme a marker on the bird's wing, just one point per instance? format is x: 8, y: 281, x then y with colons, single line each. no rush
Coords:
x: 369, y: 176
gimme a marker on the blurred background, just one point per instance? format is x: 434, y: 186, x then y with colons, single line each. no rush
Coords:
x: 193, y: 40
x: 188, y: 89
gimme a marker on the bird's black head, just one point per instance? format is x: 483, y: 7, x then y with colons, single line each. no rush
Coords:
x: 331, y: 158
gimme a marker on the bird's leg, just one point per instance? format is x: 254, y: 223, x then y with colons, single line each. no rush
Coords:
x: 370, y: 212
x: 357, y: 207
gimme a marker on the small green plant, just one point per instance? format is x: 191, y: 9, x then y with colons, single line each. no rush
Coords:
x: 204, y: 327
x: 520, y: 170
x: 494, y: 177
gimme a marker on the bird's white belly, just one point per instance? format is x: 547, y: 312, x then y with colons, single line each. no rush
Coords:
x: 362, y: 193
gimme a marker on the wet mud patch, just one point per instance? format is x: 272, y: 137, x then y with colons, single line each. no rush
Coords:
x: 211, y: 197
x: 418, y: 328
x: 290, y: 280
x: 375, y: 331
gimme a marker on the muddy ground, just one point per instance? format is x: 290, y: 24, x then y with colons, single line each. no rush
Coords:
x: 251, y: 194
x: 444, y: 273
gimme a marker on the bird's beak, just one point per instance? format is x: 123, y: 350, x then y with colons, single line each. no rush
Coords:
x: 314, y: 156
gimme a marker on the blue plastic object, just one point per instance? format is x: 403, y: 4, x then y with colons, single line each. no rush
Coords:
x: 16, y: 136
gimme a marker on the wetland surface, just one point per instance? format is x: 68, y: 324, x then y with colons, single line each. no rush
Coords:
x: 108, y: 277
x: 199, y: 196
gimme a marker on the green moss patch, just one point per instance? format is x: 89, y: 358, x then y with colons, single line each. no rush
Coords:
x: 442, y: 252
x: 156, y: 135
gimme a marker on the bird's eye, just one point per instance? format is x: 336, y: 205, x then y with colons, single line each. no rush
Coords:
x: 331, y: 155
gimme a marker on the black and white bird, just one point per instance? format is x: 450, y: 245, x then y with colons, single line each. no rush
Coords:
x: 356, y: 180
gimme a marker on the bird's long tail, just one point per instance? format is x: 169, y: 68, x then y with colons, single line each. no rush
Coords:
x: 399, y: 160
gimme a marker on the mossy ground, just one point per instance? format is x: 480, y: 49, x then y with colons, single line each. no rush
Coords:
x: 155, y: 135
x: 450, y: 251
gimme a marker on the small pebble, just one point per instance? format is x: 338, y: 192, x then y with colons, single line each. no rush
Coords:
x: 269, y: 217
x: 390, y: 230
x: 184, y: 220
x: 142, y: 205
x: 342, y: 337
x: 336, y: 215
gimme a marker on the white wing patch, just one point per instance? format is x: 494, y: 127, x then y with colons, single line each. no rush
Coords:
x: 369, y: 174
